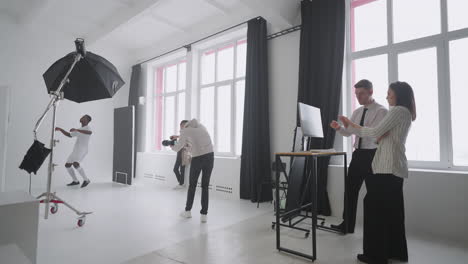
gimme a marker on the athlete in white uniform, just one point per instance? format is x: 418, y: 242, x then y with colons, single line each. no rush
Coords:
x: 79, y: 150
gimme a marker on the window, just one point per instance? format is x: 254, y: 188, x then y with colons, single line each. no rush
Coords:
x: 169, y: 100
x: 424, y: 84
x: 459, y: 93
x: 369, y: 24
x: 415, y: 19
x: 422, y: 42
x: 457, y: 14
x: 221, y: 90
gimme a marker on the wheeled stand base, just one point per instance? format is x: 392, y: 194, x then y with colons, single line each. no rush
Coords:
x: 54, y: 201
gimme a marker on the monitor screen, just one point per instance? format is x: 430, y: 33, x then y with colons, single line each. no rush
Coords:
x: 311, y: 121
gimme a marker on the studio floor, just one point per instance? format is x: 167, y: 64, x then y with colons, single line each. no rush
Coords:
x: 140, y: 224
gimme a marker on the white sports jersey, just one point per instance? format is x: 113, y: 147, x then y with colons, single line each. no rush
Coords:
x: 81, y: 145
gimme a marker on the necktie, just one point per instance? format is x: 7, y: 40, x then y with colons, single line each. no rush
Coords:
x: 362, y: 124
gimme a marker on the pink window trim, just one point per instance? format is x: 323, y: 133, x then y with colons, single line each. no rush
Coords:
x: 354, y: 4
x: 206, y: 53
x: 353, y: 65
x: 226, y: 47
x: 176, y: 63
x: 240, y: 42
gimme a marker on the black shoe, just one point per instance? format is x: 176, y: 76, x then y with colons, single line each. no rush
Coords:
x: 85, y: 183
x: 363, y: 258
x: 366, y: 259
x: 73, y: 183
x: 401, y: 259
x: 339, y: 227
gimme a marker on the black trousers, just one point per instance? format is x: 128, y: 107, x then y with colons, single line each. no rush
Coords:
x: 179, y: 170
x: 384, y: 219
x: 203, y: 164
x: 359, y: 169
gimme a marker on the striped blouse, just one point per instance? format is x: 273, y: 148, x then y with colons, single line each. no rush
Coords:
x: 390, y: 156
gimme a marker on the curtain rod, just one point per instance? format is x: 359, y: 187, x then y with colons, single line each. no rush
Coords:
x: 284, y: 32
x: 187, y: 46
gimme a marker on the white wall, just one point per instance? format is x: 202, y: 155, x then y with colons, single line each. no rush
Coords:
x: 156, y: 168
x: 26, y: 55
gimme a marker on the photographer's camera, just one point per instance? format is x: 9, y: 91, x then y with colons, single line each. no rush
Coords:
x: 167, y: 143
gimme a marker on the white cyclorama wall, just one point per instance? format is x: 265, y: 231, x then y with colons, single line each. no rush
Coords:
x: 435, y: 203
x: 156, y: 168
x: 24, y: 62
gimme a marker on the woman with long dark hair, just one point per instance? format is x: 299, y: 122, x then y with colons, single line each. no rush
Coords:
x: 384, y: 213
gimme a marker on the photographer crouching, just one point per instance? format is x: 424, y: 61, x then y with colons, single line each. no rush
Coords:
x: 183, y: 157
x: 197, y: 136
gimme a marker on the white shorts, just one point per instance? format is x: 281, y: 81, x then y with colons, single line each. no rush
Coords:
x: 76, y: 156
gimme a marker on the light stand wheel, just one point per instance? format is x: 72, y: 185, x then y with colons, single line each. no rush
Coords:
x: 81, y: 221
x: 53, y: 208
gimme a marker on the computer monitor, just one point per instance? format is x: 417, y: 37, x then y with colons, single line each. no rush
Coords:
x: 311, y: 121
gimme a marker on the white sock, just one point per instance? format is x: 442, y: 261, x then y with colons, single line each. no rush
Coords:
x: 72, y: 174
x: 82, y: 173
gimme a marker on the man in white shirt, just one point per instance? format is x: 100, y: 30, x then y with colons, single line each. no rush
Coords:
x: 80, y: 150
x: 202, y: 162
x: 369, y: 114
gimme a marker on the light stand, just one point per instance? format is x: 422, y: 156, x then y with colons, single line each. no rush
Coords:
x: 57, y: 95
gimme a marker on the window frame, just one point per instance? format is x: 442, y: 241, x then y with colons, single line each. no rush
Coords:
x: 216, y: 84
x: 441, y: 43
x: 176, y: 61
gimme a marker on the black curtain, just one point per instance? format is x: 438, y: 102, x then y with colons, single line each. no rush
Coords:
x: 133, y: 99
x: 320, y: 74
x: 255, y: 175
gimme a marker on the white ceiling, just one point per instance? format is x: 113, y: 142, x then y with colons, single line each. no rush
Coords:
x: 143, y: 26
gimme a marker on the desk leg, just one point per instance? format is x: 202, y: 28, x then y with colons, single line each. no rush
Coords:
x: 277, y: 204
x: 314, y: 208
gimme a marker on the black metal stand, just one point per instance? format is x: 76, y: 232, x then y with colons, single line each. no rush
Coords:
x: 312, y: 183
x: 50, y: 197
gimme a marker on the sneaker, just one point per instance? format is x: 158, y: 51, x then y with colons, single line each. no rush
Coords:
x: 85, y: 183
x: 179, y: 187
x: 73, y: 183
x: 186, y: 214
x: 203, y: 218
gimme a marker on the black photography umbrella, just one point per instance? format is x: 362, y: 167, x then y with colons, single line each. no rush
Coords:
x: 92, y: 78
